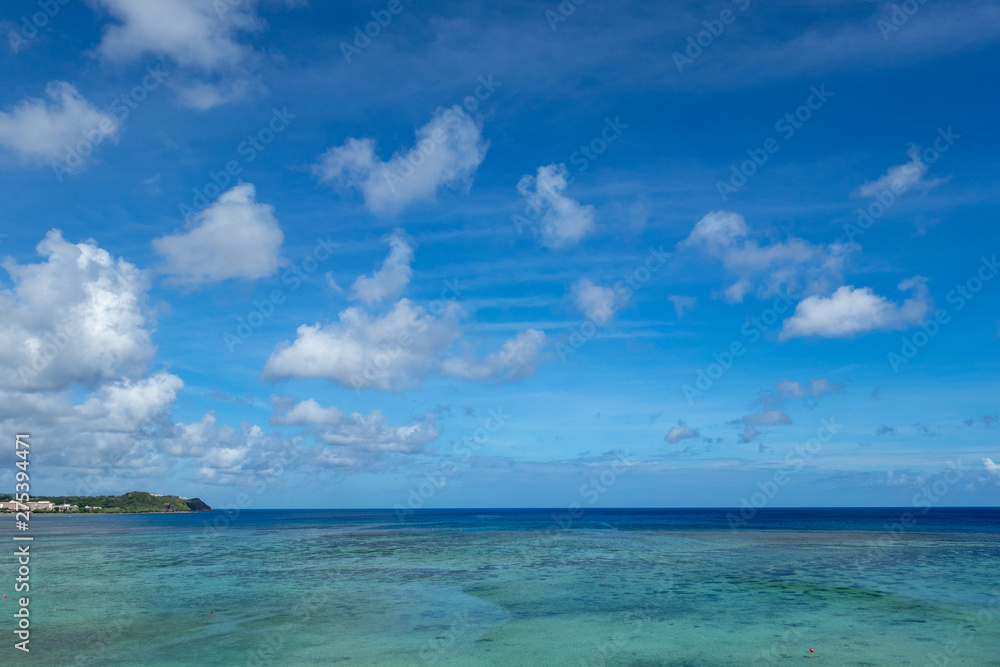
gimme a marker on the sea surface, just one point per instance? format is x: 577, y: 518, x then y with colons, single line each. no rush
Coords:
x: 511, y: 587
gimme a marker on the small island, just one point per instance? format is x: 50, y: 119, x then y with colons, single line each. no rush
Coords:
x: 128, y: 503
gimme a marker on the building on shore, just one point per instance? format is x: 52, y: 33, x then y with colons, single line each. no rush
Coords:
x: 32, y: 505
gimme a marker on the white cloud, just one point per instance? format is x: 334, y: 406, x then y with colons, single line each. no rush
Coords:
x: 203, y: 96
x: 680, y: 432
x: 235, y: 237
x: 516, y: 359
x: 447, y: 153
x: 767, y: 418
x: 390, y: 280
x: 564, y: 221
x: 304, y: 413
x: 683, y: 304
x: 991, y: 467
x: 597, y: 303
x: 75, y: 347
x: 202, y: 37
x: 41, y: 131
x: 78, y: 317
x: 397, y: 350
x: 814, y: 389
x: 354, y: 440
x: 392, y: 352
x: 850, y: 311
x: 124, y: 405
x: 192, y: 33
x: 765, y: 269
x: 901, y: 178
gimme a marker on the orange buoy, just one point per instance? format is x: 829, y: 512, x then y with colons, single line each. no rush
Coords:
x: 812, y: 650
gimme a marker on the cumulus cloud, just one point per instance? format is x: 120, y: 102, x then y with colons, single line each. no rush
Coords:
x: 399, y: 349
x: 201, y: 38
x: 901, y: 178
x: 767, y: 418
x: 190, y: 32
x: 354, y: 440
x: 235, y: 237
x: 123, y: 405
x: 769, y: 268
x: 597, y: 303
x: 75, y: 350
x: 564, y: 221
x: 748, y: 434
x: 43, y: 131
x: 394, y: 351
x: 680, y: 432
x: 516, y: 359
x: 991, y: 467
x: 850, y: 311
x: 388, y: 282
x: 447, y: 153
x: 79, y: 317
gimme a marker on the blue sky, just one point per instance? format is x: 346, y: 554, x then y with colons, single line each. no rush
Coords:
x: 529, y: 254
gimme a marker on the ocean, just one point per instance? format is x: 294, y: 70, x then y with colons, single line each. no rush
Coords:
x: 512, y: 587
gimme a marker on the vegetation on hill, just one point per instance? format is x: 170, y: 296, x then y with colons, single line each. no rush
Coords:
x: 134, y: 501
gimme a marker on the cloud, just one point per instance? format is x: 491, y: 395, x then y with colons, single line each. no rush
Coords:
x: 41, y: 131
x: 389, y: 281
x: 767, y: 418
x: 850, y: 311
x: 680, y: 432
x: 991, y: 467
x: 192, y: 33
x: 765, y: 269
x: 814, y: 389
x: 235, y: 237
x: 748, y: 434
x: 885, y: 430
x: 564, y: 221
x: 597, y: 303
x: 683, y: 304
x: 203, y: 96
x: 354, y: 440
x: 901, y: 178
x: 124, y: 405
x: 75, y: 350
x: 516, y: 359
x: 986, y: 420
x: 447, y: 153
x: 202, y: 38
x: 396, y: 351
x: 79, y: 317
x: 393, y: 352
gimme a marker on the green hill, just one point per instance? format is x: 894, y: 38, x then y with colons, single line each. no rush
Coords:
x: 134, y: 501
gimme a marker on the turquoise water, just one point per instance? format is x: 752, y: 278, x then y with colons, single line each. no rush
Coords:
x: 512, y: 587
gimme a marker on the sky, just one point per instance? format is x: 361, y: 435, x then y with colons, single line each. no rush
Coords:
x: 289, y: 254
